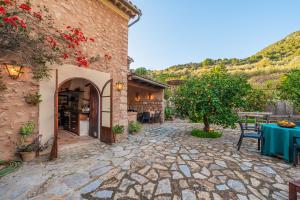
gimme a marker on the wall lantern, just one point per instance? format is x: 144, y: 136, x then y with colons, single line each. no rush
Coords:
x: 137, y: 97
x: 14, y: 71
x: 120, y: 86
x: 150, y: 96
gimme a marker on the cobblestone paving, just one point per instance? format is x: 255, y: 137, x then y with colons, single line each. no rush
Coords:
x: 163, y: 162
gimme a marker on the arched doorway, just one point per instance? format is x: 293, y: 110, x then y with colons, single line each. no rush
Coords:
x: 78, y: 111
x: 48, y: 108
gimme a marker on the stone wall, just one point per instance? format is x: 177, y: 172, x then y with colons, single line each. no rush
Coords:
x: 14, y: 111
x: 110, y: 31
x: 97, y: 20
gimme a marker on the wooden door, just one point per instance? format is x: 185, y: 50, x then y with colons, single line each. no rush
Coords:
x: 106, y: 116
x: 94, y: 112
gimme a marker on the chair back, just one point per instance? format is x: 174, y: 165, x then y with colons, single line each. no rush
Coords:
x: 146, y: 115
x: 241, y: 127
x: 157, y: 114
x: 139, y: 117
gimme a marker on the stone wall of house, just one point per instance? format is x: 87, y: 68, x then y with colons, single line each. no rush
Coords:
x: 110, y: 31
x: 14, y: 111
x: 97, y: 20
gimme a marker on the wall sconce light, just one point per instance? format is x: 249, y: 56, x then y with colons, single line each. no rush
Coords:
x: 14, y: 71
x: 137, y: 97
x: 150, y: 96
x: 120, y: 86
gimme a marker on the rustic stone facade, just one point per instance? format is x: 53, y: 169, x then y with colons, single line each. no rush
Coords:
x: 98, y: 19
x: 14, y: 111
x: 110, y: 31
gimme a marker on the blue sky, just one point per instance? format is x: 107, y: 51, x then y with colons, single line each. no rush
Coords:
x: 181, y: 31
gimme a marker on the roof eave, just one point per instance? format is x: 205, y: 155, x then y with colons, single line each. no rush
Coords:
x: 152, y: 82
x: 128, y: 7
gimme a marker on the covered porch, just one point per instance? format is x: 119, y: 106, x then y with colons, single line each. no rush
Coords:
x: 145, y: 99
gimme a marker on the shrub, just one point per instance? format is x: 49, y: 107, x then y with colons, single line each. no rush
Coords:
x: 168, y: 113
x: 290, y: 88
x: 33, y: 99
x: 256, y: 100
x: 118, y: 129
x: 134, y: 127
x: 204, y: 134
x: 27, y: 129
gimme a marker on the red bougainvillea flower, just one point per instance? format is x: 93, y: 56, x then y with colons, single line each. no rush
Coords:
x: 37, y: 15
x: 65, y: 56
x: 22, y: 24
x: 2, y: 10
x: 11, y: 20
x: 7, y: 2
x: 25, y: 7
x: 82, y: 61
x: 51, y: 41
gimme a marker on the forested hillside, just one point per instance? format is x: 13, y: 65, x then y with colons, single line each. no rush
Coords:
x: 262, y: 69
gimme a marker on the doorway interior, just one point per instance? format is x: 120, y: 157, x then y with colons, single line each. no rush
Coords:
x: 78, y: 111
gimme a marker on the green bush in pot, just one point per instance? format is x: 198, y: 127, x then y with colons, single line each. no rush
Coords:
x: 134, y: 127
x: 28, y: 151
x: 118, y: 129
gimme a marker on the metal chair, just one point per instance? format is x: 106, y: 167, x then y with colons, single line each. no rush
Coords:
x: 146, y: 117
x: 246, y: 126
x: 156, y: 117
x: 296, y: 149
x: 140, y: 117
x: 255, y: 134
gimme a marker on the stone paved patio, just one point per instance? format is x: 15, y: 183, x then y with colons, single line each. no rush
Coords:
x: 163, y: 162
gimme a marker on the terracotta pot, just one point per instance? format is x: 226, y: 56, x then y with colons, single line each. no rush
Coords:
x: 27, y: 156
x: 118, y: 137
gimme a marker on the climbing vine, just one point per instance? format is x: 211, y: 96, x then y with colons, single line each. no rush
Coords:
x: 30, y: 35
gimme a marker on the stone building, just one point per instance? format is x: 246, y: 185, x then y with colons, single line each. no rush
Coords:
x: 99, y: 104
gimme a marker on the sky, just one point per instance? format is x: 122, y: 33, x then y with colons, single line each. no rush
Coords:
x: 172, y: 32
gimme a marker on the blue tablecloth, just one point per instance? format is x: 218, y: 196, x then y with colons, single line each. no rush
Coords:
x: 279, y: 141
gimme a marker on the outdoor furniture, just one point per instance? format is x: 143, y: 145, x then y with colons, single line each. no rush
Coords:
x: 296, y: 145
x: 140, y: 117
x: 146, y: 117
x: 156, y: 117
x: 278, y: 141
x: 294, y: 187
x: 245, y: 134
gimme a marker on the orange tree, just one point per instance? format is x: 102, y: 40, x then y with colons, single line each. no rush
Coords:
x: 212, y: 98
x: 31, y: 35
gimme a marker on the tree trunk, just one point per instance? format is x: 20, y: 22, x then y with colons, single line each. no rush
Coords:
x: 206, y: 123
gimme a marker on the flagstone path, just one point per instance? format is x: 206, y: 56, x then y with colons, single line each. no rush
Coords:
x: 163, y: 162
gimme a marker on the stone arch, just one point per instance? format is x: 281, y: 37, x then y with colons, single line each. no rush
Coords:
x: 47, y: 89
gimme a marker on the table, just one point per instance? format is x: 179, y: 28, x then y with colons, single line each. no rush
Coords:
x: 294, y: 187
x: 279, y: 141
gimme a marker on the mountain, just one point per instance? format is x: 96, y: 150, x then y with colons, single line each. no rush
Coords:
x: 262, y: 69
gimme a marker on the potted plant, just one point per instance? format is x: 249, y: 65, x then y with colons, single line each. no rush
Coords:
x: 33, y: 98
x: 134, y: 127
x: 118, y: 130
x: 27, y: 151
